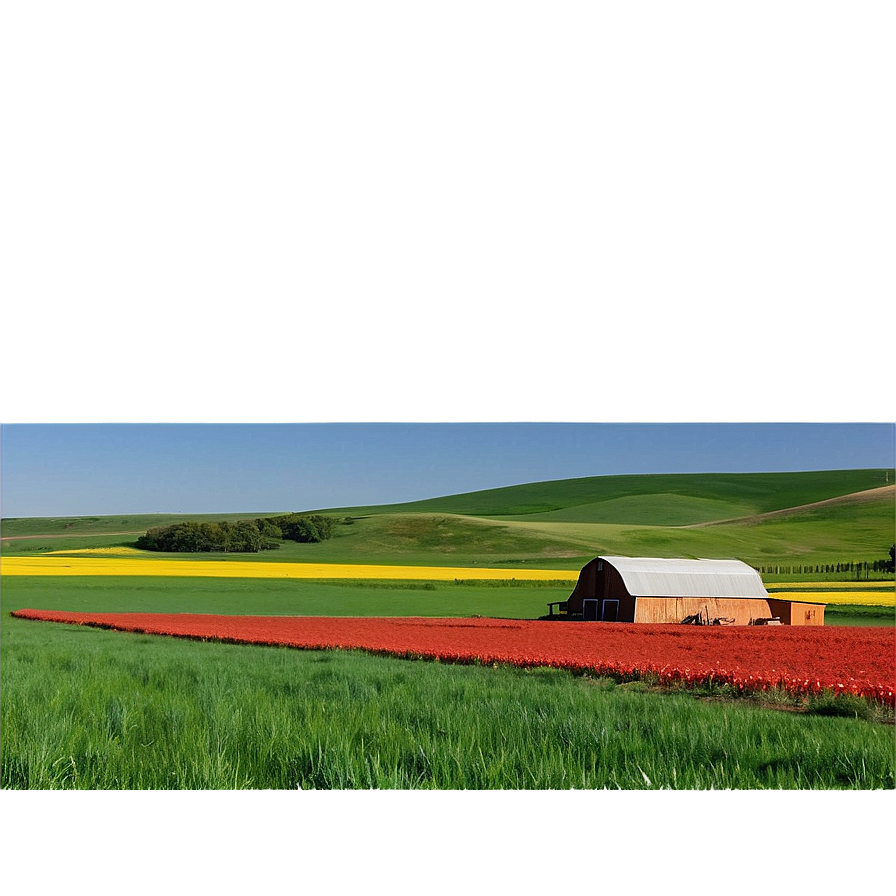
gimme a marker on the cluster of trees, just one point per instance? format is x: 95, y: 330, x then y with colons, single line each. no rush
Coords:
x: 304, y: 528
x: 244, y: 536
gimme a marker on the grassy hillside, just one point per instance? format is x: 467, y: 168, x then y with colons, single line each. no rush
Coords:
x: 565, y: 523
x: 659, y: 500
x: 16, y: 527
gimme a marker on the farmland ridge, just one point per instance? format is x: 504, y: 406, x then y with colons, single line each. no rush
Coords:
x: 805, y: 518
x: 870, y: 494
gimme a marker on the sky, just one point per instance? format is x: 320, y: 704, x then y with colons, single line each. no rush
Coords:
x: 105, y: 469
x: 557, y: 217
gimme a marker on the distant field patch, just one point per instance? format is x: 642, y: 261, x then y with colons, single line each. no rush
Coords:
x: 120, y: 550
x: 860, y: 594
x: 111, y: 566
x: 834, y: 586
x: 851, y: 598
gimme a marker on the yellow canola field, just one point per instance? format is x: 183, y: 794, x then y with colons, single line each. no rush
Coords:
x: 241, y: 569
x: 857, y: 598
x: 109, y: 565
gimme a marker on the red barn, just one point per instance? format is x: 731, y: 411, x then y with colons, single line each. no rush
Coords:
x: 649, y: 589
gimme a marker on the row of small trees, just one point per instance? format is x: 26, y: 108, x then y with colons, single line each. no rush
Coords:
x: 860, y: 568
x: 244, y: 536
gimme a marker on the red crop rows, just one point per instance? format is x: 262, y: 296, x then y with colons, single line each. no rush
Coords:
x: 801, y: 660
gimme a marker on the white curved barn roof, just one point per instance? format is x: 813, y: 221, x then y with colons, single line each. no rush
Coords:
x: 655, y: 577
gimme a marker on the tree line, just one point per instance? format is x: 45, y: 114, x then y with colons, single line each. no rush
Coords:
x: 243, y: 536
x: 860, y: 568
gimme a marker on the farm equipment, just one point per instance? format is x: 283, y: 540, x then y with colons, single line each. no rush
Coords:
x: 703, y: 618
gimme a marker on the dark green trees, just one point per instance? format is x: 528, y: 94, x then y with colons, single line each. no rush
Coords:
x: 244, y: 536
x: 304, y: 528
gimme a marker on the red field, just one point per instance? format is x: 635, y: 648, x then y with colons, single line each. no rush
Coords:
x: 801, y: 660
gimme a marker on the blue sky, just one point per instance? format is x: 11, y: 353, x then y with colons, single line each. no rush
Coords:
x: 575, y: 223
x: 89, y: 469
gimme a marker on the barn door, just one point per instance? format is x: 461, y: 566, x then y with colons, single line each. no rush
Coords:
x: 589, y: 610
x: 610, y: 611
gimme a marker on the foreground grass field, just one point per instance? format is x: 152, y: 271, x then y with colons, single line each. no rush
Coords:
x: 91, y: 709
x: 84, y: 708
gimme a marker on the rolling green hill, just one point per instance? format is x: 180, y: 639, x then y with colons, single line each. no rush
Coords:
x: 817, y: 517
x: 657, y: 499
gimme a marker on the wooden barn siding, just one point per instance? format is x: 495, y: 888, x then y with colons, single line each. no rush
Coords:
x: 792, y: 613
x: 585, y: 587
x: 614, y: 589
x: 674, y: 609
x: 608, y: 584
x: 602, y: 585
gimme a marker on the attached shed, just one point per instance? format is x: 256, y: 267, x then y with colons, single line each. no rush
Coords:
x: 648, y: 589
x: 792, y: 612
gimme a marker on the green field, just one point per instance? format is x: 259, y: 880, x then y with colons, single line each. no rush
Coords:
x: 84, y: 708
x: 278, y: 597
x: 606, y: 499
x: 564, y: 524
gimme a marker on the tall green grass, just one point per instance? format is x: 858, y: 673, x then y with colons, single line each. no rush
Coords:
x: 846, y: 614
x: 84, y: 708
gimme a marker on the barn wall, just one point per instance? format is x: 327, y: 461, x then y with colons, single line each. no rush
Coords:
x: 674, y: 609
x: 607, y: 584
x: 585, y: 587
x: 614, y: 589
x: 794, y: 613
x: 601, y: 585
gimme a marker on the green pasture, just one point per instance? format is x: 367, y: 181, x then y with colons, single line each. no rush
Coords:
x: 687, y: 497
x: 562, y: 525
x: 106, y: 525
x: 278, y: 597
x: 315, y: 597
x: 850, y: 614
x: 435, y: 540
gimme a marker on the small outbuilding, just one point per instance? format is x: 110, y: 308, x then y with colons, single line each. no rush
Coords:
x: 650, y: 589
x: 792, y: 612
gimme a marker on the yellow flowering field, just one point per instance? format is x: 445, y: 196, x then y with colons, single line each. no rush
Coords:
x: 866, y: 594
x: 111, y: 566
x: 123, y: 562
x: 855, y: 597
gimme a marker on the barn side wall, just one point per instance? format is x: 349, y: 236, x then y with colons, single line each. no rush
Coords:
x: 795, y: 613
x: 586, y: 586
x: 673, y: 609
x: 602, y: 585
x: 613, y: 589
